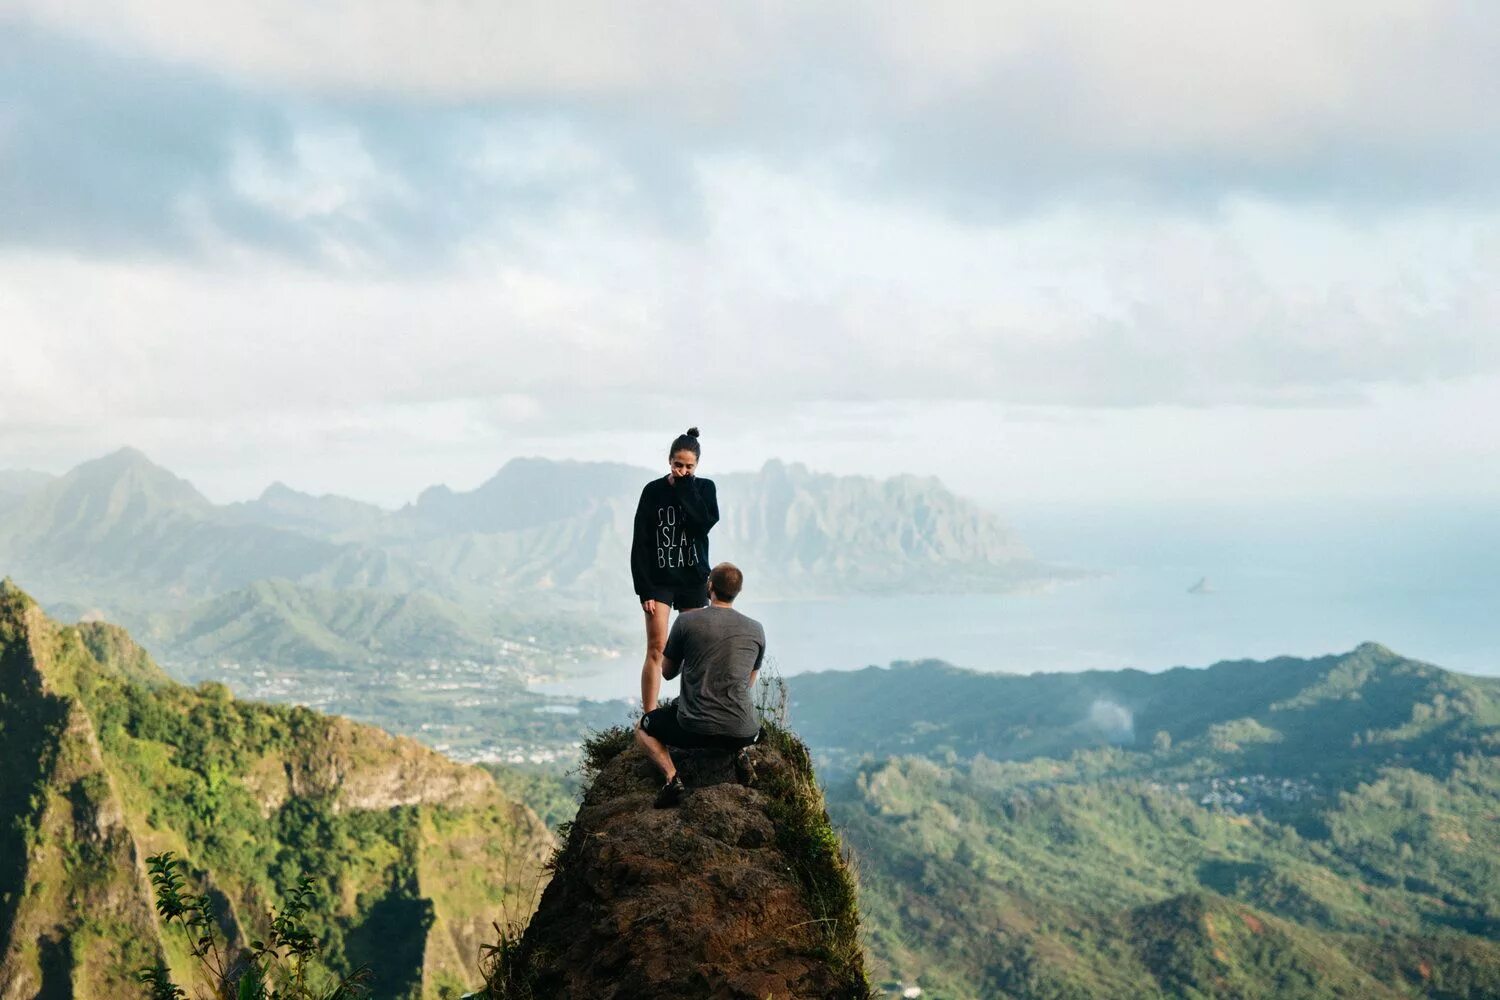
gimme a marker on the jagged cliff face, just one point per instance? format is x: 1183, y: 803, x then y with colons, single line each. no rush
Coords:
x: 106, y: 761
x: 806, y: 532
x: 739, y: 892
x: 67, y: 857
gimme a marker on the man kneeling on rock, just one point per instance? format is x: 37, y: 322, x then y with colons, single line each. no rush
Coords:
x: 718, y: 651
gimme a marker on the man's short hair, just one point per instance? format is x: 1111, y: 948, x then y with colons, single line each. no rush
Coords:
x: 726, y: 580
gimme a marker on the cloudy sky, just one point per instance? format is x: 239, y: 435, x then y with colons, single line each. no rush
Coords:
x: 1049, y: 250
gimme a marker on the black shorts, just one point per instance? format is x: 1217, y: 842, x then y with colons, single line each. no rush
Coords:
x: 662, y: 724
x: 682, y: 600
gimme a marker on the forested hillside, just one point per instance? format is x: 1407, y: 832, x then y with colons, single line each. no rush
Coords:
x: 1295, y: 828
x: 106, y: 761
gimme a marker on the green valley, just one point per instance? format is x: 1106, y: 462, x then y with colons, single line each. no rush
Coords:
x: 1295, y: 828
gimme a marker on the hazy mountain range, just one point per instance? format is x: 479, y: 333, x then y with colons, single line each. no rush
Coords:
x: 313, y: 577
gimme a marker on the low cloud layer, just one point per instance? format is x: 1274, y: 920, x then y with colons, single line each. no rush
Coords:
x: 1114, y: 721
x: 836, y: 305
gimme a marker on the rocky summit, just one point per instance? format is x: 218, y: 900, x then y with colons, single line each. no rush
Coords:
x: 738, y: 892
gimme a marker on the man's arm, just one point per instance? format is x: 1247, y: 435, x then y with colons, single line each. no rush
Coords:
x: 755, y: 670
x: 671, y: 655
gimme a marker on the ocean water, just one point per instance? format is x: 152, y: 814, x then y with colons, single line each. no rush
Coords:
x: 1298, y: 579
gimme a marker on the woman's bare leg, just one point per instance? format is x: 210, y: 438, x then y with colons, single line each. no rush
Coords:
x: 656, y: 641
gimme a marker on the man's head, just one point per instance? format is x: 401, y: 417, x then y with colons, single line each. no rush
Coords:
x: 725, y: 582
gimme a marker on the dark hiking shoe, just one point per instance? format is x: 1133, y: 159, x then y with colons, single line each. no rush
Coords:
x: 744, y: 767
x: 671, y: 793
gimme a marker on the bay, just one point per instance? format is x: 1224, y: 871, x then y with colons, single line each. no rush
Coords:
x: 1299, y: 579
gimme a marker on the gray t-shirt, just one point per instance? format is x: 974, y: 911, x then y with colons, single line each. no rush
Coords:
x: 716, y: 650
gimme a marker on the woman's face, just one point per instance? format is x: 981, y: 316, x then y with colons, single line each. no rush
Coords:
x: 684, y: 464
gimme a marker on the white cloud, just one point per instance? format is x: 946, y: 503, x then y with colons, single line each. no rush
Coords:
x: 832, y: 230
x: 795, y: 295
x: 1266, y: 80
x: 449, y: 48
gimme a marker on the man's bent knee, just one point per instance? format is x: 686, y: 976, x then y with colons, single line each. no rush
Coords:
x: 646, y: 740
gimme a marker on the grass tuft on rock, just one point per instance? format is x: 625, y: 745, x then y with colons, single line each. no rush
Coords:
x: 599, y: 748
x: 807, y: 837
x: 813, y: 865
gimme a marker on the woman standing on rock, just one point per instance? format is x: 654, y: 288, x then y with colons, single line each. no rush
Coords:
x: 669, y: 551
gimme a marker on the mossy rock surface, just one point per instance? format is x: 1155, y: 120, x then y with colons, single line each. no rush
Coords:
x: 733, y: 893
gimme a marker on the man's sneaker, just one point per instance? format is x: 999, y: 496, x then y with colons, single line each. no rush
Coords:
x: 744, y: 767
x: 671, y: 793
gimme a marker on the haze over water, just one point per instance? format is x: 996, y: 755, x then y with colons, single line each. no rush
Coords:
x: 1284, y: 579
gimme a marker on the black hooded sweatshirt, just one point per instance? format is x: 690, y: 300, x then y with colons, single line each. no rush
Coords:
x: 669, y: 547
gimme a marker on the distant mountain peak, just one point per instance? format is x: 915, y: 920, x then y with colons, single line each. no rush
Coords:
x: 133, y: 466
x: 279, y: 489
x: 775, y: 466
x: 126, y: 453
x: 124, y: 461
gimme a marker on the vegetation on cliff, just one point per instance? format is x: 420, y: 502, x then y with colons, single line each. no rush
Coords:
x: 739, y: 892
x: 1291, y: 829
x: 107, y: 762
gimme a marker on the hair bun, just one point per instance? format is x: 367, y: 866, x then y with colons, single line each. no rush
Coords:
x: 692, y: 432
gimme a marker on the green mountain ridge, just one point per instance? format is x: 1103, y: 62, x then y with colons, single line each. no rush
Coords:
x: 1293, y: 828
x: 107, y: 760
x: 280, y: 622
x: 1286, y: 708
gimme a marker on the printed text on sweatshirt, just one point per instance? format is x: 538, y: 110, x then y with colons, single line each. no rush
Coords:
x: 669, y: 546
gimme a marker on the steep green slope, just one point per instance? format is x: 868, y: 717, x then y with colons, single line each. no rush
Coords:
x: 107, y: 762
x: 984, y: 880
x: 279, y: 622
x: 1320, y: 828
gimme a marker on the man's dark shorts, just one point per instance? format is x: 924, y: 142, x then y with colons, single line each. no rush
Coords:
x: 662, y: 724
x: 682, y: 600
